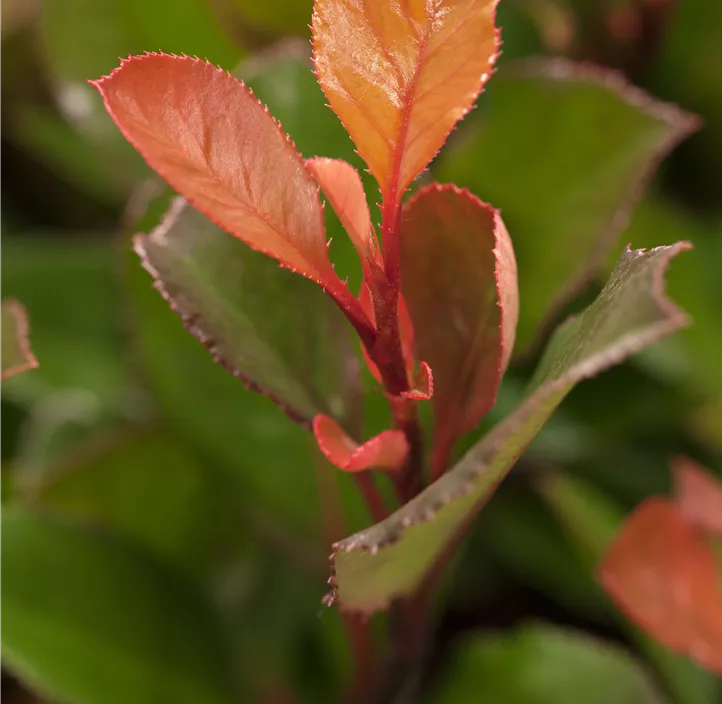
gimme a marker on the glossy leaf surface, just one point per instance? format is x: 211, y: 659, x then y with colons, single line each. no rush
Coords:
x: 663, y: 575
x: 212, y: 140
x: 92, y: 618
x: 265, y: 325
x: 390, y: 559
x: 401, y: 75
x: 459, y: 282
x: 699, y: 495
x: 16, y: 353
x: 542, y: 664
x: 567, y: 180
x: 387, y: 450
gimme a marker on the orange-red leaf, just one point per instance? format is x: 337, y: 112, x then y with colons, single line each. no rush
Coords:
x: 699, y: 495
x: 211, y: 139
x: 663, y: 575
x: 459, y: 281
x: 342, y: 187
x: 387, y: 450
x: 401, y: 74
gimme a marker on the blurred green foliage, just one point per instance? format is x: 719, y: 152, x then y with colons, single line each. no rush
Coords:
x: 165, y: 530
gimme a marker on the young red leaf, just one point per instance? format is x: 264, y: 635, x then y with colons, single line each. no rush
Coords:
x: 401, y: 75
x: 699, y: 495
x: 342, y: 186
x: 663, y: 576
x: 459, y: 282
x: 210, y: 138
x: 423, y: 386
x: 387, y: 450
x: 16, y: 353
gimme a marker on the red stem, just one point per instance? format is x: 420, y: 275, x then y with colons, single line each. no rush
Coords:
x: 360, y: 639
x: 372, y: 496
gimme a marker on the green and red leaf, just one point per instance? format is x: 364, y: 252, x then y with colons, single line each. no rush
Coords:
x: 663, y: 575
x: 213, y: 141
x: 401, y: 75
x: 459, y: 282
x: 390, y: 560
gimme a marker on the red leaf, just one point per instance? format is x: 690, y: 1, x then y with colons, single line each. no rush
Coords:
x: 342, y: 187
x: 663, y: 575
x: 211, y: 139
x: 388, y: 450
x: 459, y: 281
x: 699, y: 495
x: 401, y: 75
x: 423, y: 387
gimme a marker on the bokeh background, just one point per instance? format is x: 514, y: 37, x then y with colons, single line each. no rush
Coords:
x: 181, y: 520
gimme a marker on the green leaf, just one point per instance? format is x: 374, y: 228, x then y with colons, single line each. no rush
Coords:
x: 16, y: 353
x: 89, y: 618
x: 542, y: 664
x: 36, y: 270
x: 565, y: 181
x: 143, y: 484
x: 390, y: 559
x: 270, y: 327
x: 590, y: 521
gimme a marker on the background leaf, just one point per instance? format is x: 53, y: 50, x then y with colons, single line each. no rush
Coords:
x: 540, y: 664
x: 91, y: 618
x: 567, y: 180
x: 16, y: 353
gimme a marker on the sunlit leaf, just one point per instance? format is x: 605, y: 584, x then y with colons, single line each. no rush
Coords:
x: 16, y: 353
x: 387, y: 450
x: 400, y: 76
x: 214, y: 142
x: 88, y: 617
x: 542, y: 664
x: 390, y: 559
x: 458, y: 277
x: 274, y: 330
x: 663, y: 575
x: 699, y: 495
x: 567, y: 180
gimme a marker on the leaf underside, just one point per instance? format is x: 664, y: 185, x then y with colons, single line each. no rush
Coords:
x: 389, y: 560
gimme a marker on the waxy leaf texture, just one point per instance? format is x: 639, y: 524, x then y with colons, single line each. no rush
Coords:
x: 211, y: 139
x: 16, y: 353
x: 663, y: 575
x: 276, y: 331
x: 400, y: 75
x: 387, y: 450
x: 699, y: 495
x: 390, y: 559
x: 458, y: 277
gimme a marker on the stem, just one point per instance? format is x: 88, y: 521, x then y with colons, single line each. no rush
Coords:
x: 363, y: 682
x: 372, y: 496
x: 440, y: 460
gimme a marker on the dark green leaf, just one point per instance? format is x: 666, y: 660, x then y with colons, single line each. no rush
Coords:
x: 91, y: 619
x: 567, y: 179
x: 391, y: 558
